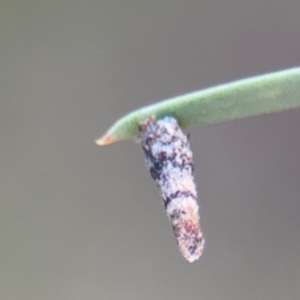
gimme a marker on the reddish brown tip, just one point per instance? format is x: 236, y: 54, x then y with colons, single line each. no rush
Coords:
x: 105, y: 140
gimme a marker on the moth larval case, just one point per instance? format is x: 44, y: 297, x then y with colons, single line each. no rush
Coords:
x: 169, y: 159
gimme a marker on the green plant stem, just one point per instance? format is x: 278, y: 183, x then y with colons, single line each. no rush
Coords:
x: 258, y: 95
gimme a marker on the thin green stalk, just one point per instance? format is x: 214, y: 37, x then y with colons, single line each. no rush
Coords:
x: 258, y: 95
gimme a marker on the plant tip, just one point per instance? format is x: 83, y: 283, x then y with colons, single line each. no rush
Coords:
x: 104, y: 140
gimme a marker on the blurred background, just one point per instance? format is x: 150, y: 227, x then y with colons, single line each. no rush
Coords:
x: 78, y: 221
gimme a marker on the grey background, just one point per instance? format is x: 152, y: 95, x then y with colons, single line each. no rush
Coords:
x: 82, y: 222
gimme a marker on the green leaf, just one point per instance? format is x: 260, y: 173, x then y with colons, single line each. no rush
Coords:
x: 258, y: 95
